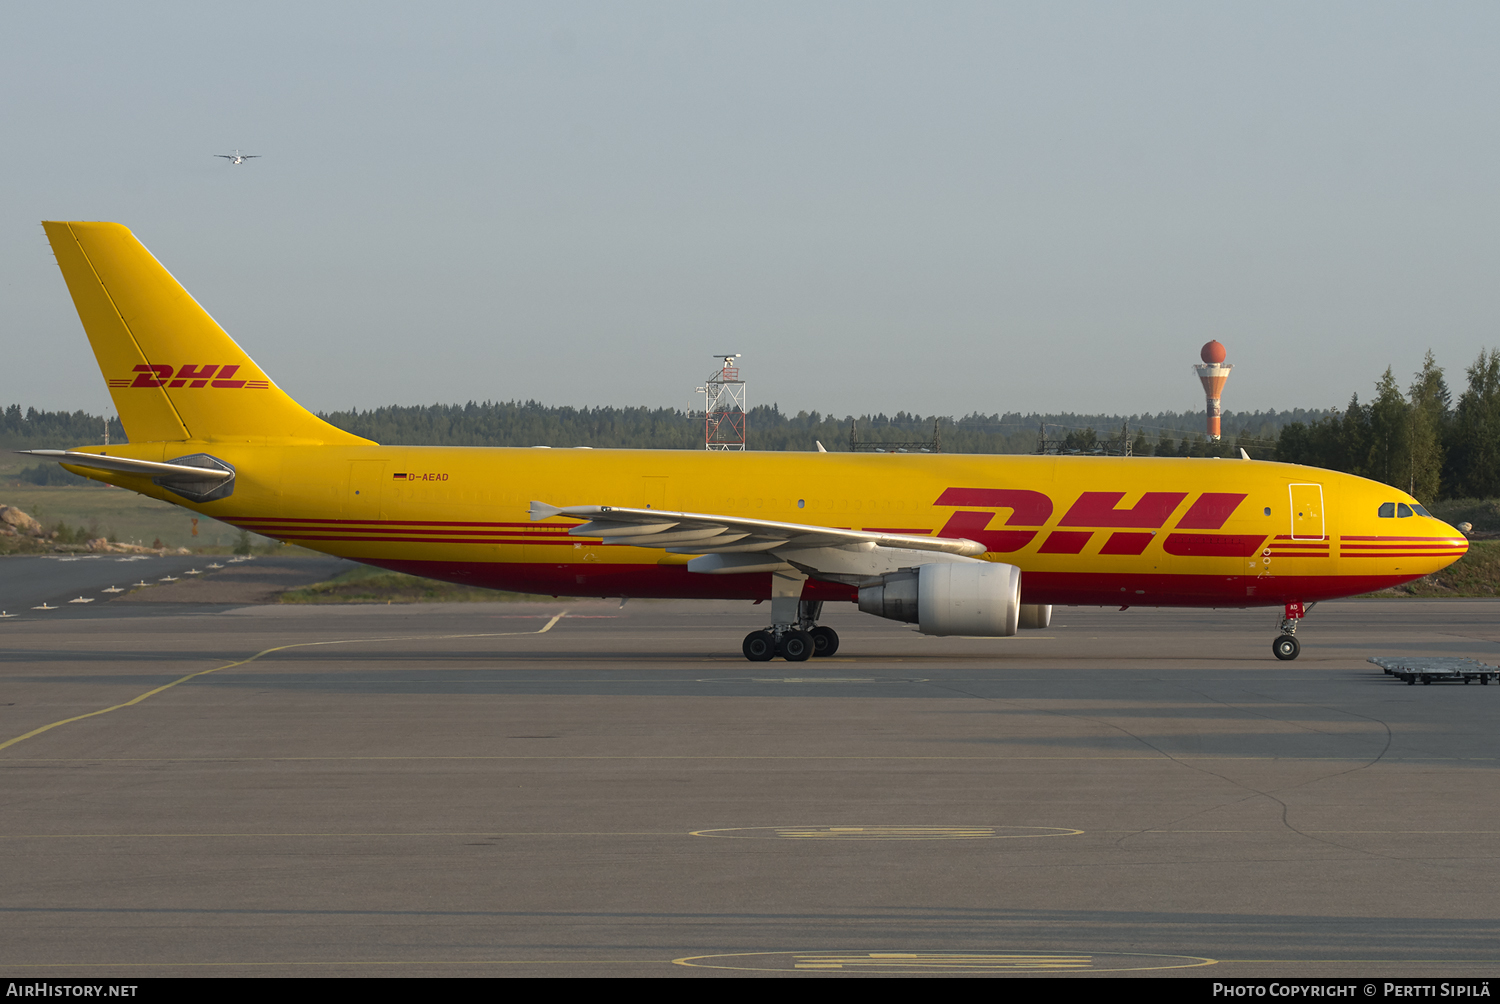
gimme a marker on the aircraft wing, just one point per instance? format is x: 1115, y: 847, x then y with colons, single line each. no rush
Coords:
x: 123, y: 465
x: 735, y: 544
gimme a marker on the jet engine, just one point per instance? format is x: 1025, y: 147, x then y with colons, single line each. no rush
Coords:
x: 1035, y: 615
x: 978, y: 598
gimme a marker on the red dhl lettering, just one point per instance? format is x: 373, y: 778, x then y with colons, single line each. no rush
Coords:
x: 1126, y: 543
x: 191, y: 375
x: 1029, y: 508
x: 197, y: 374
x: 1211, y: 511
x: 1065, y: 542
x: 151, y: 376
x: 1098, y: 509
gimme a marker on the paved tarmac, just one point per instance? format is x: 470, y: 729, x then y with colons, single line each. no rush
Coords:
x: 59, y: 586
x: 489, y: 789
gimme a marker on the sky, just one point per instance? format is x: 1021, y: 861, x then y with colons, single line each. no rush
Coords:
x: 941, y: 208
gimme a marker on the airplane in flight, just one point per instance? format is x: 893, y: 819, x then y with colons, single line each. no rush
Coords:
x: 237, y: 157
x: 954, y: 544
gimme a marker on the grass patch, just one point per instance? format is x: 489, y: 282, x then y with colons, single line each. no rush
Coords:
x: 366, y: 584
x: 1475, y: 574
x: 118, y: 513
x: 82, y: 512
x: 1484, y: 514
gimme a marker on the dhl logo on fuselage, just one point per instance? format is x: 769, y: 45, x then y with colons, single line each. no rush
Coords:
x: 1134, y: 527
x: 191, y: 375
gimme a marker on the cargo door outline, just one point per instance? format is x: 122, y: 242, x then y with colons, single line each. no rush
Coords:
x: 1307, y: 518
x: 365, y: 493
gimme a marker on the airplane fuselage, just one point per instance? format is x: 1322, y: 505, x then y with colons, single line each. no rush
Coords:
x: 966, y: 545
x: 1083, y: 530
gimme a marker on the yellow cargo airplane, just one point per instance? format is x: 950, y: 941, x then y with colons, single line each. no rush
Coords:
x: 958, y: 545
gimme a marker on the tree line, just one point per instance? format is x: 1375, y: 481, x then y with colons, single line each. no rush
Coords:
x: 54, y: 429
x: 1420, y: 440
x: 530, y: 423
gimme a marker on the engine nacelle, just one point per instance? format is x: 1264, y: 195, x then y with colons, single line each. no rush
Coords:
x: 978, y: 598
x: 1035, y: 616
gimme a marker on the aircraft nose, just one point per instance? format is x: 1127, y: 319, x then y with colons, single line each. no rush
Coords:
x: 1458, y: 534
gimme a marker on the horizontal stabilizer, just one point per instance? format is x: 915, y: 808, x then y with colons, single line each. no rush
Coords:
x: 123, y: 465
x: 197, y: 477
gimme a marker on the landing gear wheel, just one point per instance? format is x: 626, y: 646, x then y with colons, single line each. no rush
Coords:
x: 1287, y: 647
x: 796, y: 646
x: 825, y: 642
x: 759, y: 646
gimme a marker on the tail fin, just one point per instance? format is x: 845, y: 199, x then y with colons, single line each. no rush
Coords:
x: 172, y: 371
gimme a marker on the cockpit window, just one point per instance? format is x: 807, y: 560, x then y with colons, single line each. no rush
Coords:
x: 1387, y: 510
x: 1402, y: 510
x: 1420, y: 511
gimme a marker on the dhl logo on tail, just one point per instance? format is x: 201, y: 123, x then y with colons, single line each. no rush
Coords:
x: 188, y: 376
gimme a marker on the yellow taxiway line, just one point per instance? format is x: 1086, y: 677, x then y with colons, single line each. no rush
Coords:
x: 279, y: 648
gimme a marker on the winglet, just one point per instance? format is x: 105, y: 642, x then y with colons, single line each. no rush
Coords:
x: 541, y: 510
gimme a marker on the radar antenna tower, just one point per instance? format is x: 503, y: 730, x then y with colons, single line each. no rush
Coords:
x: 724, y: 406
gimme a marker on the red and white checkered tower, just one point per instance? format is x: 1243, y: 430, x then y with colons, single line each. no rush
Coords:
x: 1213, y: 373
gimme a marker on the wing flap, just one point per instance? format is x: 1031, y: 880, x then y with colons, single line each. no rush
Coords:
x: 679, y: 530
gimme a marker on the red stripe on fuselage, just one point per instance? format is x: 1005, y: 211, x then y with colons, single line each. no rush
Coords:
x: 1078, y: 588
x: 237, y: 520
x: 420, y: 540
x: 1213, y: 545
x: 1439, y: 540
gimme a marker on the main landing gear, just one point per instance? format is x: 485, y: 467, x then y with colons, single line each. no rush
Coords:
x: 794, y: 640
x: 1287, y: 647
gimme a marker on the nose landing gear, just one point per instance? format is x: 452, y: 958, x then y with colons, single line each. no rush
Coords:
x: 1287, y: 647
